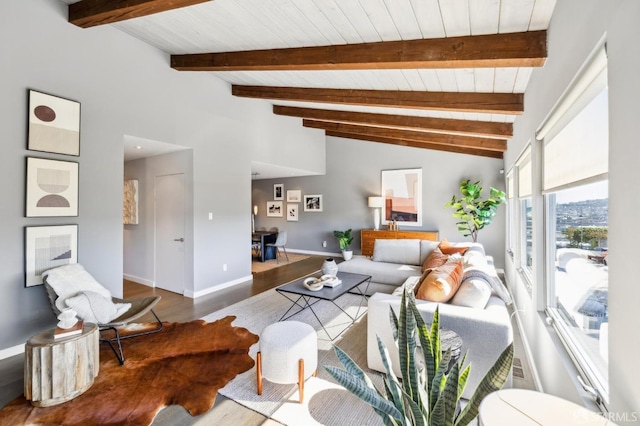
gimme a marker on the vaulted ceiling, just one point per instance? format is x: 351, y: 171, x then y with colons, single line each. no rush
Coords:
x: 445, y: 75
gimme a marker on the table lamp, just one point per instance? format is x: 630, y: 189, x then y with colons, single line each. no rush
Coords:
x: 376, y: 203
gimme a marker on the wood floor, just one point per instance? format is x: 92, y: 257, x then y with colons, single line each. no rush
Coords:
x: 176, y: 308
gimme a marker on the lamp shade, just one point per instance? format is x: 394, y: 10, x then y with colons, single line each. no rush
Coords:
x: 375, y: 202
x: 255, y: 210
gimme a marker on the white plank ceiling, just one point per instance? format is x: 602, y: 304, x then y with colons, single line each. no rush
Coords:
x: 246, y: 25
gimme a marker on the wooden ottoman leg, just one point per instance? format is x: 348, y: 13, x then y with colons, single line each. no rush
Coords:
x: 301, y: 379
x: 259, y: 372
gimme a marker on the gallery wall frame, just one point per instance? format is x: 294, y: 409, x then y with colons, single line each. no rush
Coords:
x: 274, y: 209
x: 292, y: 212
x: 313, y: 203
x: 48, y: 247
x: 294, y: 196
x: 130, y: 214
x: 278, y: 191
x: 52, y: 188
x: 402, y: 196
x: 54, y: 124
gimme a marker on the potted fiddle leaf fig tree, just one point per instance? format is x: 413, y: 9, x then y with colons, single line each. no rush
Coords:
x: 430, y: 397
x: 472, y: 212
x: 345, y: 239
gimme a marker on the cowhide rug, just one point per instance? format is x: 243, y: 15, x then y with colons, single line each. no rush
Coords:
x: 186, y: 364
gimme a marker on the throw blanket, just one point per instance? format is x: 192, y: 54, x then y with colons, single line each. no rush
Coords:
x: 492, y: 280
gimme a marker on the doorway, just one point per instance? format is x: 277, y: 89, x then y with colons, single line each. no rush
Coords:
x: 170, y: 232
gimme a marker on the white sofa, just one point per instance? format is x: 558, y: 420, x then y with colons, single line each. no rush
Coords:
x: 485, y: 332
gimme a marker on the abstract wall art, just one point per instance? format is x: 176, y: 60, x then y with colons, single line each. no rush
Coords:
x: 130, y: 202
x: 54, y: 124
x: 48, y: 247
x: 402, y: 193
x: 52, y: 188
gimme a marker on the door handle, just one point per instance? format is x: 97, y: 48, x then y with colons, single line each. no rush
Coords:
x: 179, y: 239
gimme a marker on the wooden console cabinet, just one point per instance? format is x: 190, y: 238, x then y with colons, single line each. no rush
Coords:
x: 369, y: 236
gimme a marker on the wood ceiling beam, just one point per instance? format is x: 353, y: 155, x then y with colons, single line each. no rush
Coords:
x: 414, y: 144
x: 493, y: 103
x: 90, y: 13
x: 488, y: 144
x: 446, y: 125
x: 524, y: 49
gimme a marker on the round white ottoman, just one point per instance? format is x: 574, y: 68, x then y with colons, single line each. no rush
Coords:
x: 288, y: 354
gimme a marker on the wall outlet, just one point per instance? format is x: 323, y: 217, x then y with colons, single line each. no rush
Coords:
x: 210, y: 216
x: 224, y: 267
x: 324, y: 244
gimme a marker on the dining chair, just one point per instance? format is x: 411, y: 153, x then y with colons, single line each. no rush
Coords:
x: 281, y: 240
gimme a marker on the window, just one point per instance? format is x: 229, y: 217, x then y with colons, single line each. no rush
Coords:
x: 575, y: 188
x: 525, y: 217
x: 511, y: 212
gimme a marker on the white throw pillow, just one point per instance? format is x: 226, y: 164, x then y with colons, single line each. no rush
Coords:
x: 70, y: 280
x: 93, y: 307
x: 474, y: 293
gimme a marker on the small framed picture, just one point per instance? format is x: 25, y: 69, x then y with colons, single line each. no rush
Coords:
x: 54, y: 124
x: 278, y: 191
x: 52, y: 188
x: 48, y: 247
x: 294, y: 196
x: 313, y: 203
x: 274, y: 209
x: 292, y: 212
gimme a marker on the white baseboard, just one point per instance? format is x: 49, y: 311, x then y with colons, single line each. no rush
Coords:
x: 194, y: 295
x: 9, y: 352
x: 320, y: 253
x: 139, y: 280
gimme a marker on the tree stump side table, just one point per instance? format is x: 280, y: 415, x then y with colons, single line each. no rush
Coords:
x: 58, y: 370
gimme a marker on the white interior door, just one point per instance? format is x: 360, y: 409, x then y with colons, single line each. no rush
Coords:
x: 169, y: 213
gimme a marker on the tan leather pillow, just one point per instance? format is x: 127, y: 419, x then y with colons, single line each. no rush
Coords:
x: 436, y: 258
x: 446, y: 248
x: 440, y: 284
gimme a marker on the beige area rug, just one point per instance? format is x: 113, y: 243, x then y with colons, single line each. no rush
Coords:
x: 257, y: 266
x: 325, y: 402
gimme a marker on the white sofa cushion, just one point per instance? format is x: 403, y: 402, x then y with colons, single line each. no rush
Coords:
x: 426, y: 247
x: 397, y: 251
x: 382, y: 272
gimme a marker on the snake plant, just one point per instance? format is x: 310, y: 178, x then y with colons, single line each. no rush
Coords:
x: 427, y: 396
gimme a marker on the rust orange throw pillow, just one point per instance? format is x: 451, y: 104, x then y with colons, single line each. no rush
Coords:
x: 441, y: 283
x: 446, y: 248
x: 436, y: 258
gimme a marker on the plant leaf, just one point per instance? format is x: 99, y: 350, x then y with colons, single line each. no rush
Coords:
x: 492, y: 381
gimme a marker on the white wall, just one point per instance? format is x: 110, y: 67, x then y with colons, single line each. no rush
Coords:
x: 126, y: 88
x: 139, y: 240
x: 575, y: 29
x: 353, y: 174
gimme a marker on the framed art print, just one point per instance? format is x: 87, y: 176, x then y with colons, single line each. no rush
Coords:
x: 54, y: 124
x: 48, y: 247
x: 292, y: 212
x: 278, y: 191
x: 313, y: 203
x: 294, y: 196
x: 130, y: 202
x: 402, y: 194
x: 274, y: 209
x: 52, y: 188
